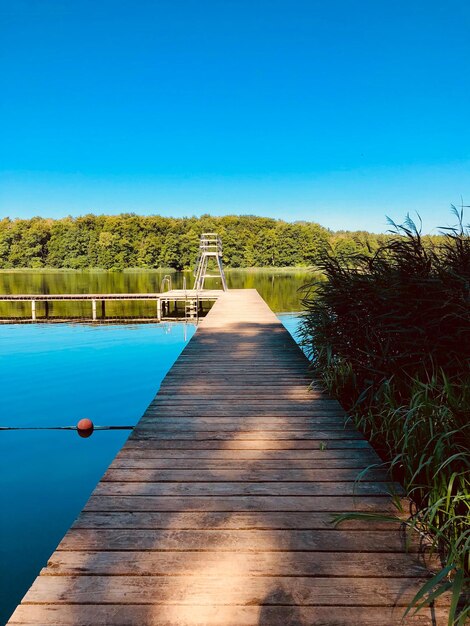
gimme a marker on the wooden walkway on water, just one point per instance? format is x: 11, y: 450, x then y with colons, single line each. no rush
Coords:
x: 217, y: 510
x: 98, y: 303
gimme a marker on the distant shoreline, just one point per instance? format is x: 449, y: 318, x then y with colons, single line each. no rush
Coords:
x: 144, y: 270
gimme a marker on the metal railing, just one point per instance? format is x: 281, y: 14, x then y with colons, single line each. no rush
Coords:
x: 166, y: 280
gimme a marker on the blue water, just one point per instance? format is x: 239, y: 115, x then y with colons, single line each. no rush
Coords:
x: 54, y: 375
x: 291, y: 322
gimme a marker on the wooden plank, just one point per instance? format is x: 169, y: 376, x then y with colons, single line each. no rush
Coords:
x: 291, y: 383
x: 138, y: 563
x: 289, y: 404
x: 235, y: 409
x: 223, y: 590
x: 297, y: 394
x: 243, y: 475
x: 255, y: 422
x: 261, y: 444
x: 210, y: 502
x: 231, y: 411
x: 197, y: 520
x: 175, y: 425
x: 197, y: 615
x: 212, y: 489
x: 143, y: 432
x: 229, y: 541
x: 144, y: 451
x: 131, y: 462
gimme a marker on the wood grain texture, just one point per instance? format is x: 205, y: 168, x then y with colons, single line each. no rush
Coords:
x: 218, y: 520
x: 241, y: 503
x: 223, y: 590
x: 241, y: 475
x: 207, y: 615
x: 218, y: 509
x: 137, y: 563
x: 252, y: 540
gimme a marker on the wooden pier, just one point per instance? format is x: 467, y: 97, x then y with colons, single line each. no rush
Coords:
x: 162, y: 300
x: 217, y: 510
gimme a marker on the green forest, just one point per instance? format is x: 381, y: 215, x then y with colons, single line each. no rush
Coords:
x: 131, y: 241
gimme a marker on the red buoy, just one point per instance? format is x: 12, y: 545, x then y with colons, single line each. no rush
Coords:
x: 85, y: 427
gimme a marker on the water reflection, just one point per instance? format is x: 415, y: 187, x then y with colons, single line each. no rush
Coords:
x: 280, y: 289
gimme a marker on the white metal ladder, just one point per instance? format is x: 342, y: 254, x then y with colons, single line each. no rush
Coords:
x: 210, y: 247
x: 191, y: 309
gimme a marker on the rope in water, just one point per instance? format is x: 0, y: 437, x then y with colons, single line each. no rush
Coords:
x: 64, y: 428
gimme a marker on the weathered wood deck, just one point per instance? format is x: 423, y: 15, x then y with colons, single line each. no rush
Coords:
x: 217, y: 511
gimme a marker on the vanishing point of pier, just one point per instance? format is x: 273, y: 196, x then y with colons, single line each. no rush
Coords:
x: 218, y: 509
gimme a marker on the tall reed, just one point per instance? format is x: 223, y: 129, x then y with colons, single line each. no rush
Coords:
x: 389, y: 335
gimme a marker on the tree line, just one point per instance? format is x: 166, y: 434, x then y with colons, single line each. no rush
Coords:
x: 122, y: 241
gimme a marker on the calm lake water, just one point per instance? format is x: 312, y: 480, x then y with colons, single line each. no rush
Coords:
x: 281, y: 290
x: 53, y: 375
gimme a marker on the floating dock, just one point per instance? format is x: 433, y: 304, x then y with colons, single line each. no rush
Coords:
x: 217, y: 511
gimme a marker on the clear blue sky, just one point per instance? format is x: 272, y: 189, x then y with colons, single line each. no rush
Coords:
x: 333, y: 111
